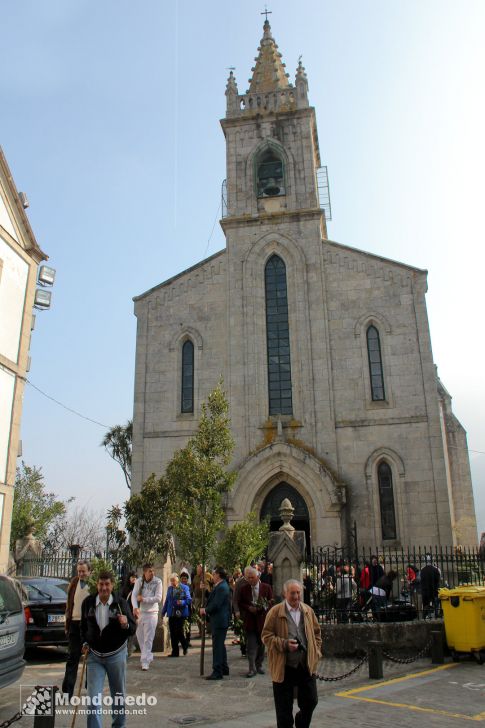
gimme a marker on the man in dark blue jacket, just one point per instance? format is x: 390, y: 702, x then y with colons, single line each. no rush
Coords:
x: 218, y: 609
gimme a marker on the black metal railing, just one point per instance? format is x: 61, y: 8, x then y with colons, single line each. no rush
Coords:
x: 386, y: 584
x: 62, y: 564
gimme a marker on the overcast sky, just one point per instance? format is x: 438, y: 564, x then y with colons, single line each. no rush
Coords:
x: 110, y: 123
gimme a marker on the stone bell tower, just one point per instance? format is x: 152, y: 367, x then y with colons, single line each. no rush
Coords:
x: 272, y: 142
x: 273, y: 211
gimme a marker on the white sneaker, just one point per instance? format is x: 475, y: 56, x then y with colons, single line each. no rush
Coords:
x: 144, y: 666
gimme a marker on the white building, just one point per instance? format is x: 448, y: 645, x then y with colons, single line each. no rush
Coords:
x: 19, y: 259
x: 325, y: 350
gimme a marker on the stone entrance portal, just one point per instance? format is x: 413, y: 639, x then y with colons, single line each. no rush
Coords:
x: 271, y: 507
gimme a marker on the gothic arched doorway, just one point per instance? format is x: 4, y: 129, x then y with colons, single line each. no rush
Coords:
x: 271, y: 509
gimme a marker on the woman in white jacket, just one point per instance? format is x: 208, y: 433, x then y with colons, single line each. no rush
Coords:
x: 145, y: 598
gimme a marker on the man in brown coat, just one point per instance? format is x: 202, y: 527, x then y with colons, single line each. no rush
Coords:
x: 293, y: 640
x: 77, y: 592
x: 255, y: 599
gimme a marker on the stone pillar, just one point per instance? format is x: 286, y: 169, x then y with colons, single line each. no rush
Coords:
x: 75, y: 550
x: 27, y: 549
x: 286, y: 550
x: 161, y: 642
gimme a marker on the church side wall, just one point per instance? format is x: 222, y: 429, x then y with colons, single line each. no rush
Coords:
x: 191, y: 307
x: 464, y: 505
x: 460, y: 482
x: 438, y: 458
x: 403, y: 428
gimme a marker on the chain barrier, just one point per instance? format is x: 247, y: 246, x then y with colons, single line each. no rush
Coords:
x: 387, y: 655
x: 408, y: 660
x: 6, y: 723
x: 336, y: 678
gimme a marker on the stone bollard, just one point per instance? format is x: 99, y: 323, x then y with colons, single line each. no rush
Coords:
x: 48, y: 720
x: 437, y: 648
x: 374, y: 651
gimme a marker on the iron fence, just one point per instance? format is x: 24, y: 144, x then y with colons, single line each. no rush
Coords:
x: 386, y: 584
x: 62, y: 564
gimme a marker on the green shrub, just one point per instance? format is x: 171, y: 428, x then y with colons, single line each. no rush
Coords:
x: 98, y: 565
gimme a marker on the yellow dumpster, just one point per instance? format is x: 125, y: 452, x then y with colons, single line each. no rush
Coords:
x: 464, y: 616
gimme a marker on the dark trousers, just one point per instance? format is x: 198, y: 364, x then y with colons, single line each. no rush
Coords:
x: 219, y: 655
x: 73, y: 657
x: 177, y: 634
x: 307, y: 697
x: 254, y: 650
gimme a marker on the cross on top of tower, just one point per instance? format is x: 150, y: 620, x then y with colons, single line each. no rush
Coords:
x: 266, y: 12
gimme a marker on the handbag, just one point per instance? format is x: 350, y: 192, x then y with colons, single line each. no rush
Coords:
x: 176, y: 611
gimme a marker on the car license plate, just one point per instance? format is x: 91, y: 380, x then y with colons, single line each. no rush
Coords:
x: 6, y: 640
x: 56, y: 618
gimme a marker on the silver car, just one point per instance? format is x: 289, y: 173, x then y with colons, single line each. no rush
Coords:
x: 12, y: 633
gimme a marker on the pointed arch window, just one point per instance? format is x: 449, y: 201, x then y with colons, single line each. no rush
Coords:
x: 187, y: 405
x: 270, y: 175
x: 278, y: 338
x: 386, y: 500
x: 375, y: 365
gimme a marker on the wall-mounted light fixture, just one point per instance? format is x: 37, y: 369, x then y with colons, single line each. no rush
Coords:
x: 42, y: 299
x: 24, y: 200
x: 46, y: 275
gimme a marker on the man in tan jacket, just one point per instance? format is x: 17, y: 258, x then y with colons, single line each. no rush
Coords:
x: 293, y: 639
x: 77, y: 592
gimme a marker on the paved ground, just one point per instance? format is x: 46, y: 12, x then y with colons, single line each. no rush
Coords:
x: 412, y: 695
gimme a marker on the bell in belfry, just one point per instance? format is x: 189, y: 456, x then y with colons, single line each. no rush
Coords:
x: 271, y: 187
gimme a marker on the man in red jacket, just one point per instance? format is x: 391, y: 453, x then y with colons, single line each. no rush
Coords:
x: 255, y: 599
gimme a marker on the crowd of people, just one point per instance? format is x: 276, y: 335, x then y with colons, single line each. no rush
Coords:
x: 344, y: 589
x: 102, y: 627
x: 105, y: 625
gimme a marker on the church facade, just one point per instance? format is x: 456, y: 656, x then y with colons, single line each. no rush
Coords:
x: 325, y: 351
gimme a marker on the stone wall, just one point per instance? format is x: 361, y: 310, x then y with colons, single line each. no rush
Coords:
x: 350, y: 639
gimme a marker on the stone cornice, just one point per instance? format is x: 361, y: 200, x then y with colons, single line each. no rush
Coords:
x: 160, y: 434
x: 272, y: 218
x: 175, y: 278
x: 28, y: 237
x: 342, y: 255
x: 382, y: 421
x: 11, y: 367
x: 250, y: 118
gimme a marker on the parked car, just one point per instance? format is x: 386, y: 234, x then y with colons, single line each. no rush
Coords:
x: 12, y: 633
x: 44, y: 599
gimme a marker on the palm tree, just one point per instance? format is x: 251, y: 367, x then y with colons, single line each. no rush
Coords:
x: 118, y: 442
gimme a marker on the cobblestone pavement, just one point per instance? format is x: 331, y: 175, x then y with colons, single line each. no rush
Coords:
x: 414, y: 695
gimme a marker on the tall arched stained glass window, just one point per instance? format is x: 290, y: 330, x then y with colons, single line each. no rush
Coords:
x: 187, y: 377
x: 375, y: 364
x: 386, y: 499
x: 278, y: 338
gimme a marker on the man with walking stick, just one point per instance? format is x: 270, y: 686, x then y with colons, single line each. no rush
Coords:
x: 77, y: 592
x: 106, y: 624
